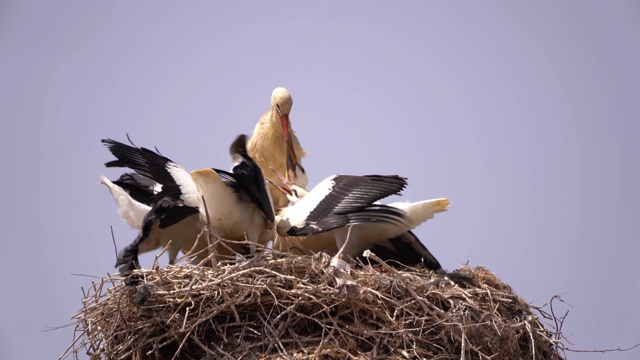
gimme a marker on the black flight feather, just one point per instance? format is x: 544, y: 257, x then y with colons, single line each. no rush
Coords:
x: 145, y: 162
x: 371, y: 214
x: 353, y: 193
x: 139, y: 187
x: 404, y: 250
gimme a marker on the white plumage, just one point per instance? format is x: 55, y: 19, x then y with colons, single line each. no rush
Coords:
x: 421, y: 211
x: 238, y: 203
x: 323, y: 217
x: 130, y: 210
x: 189, y: 193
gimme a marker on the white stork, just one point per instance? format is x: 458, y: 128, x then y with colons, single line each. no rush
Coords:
x: 275, y: 145
x: 238, y: 203
x: 320, y: 220
x: 241, y: 207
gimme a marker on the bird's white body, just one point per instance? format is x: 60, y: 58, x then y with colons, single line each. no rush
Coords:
x: 302, y: 204
x: 190, y: 194
x: 183, y: 235
x: 365, y: 224
x: 234, y: 206
x: 362, y: 235
x: 131, y: 211
x: 232, y: 218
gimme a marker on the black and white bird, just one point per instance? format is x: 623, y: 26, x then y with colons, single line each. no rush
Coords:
x: 341, y: 217
x: 237, y: 201
x: 241, y: 207
x: 274, y: 144
x: 169, y: 211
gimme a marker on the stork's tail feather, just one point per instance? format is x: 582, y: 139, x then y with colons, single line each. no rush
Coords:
x: 422, y: 211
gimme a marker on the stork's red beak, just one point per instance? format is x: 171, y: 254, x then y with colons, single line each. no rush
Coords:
x: 292, y: 160
x: 282, y: 189
x: 282, y: 178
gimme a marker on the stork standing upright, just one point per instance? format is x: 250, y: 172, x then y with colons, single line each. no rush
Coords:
x: 274, y: 144
x: 238, y: 204
x: 340, y: 216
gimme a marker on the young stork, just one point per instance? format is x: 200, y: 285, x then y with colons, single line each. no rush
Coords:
x: 340, y: 216
x: 241, y: 207
x: 170, y: 212
x: 238, y: 203
x: 275, y: 145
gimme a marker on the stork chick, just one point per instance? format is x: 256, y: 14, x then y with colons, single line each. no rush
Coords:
x: 238, y: 203
x: 174, y: 213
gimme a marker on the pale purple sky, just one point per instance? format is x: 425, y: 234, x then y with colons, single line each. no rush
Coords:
x: 526, y: 115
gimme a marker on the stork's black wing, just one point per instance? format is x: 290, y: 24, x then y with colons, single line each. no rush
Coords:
x: 405, y: 250
x: 139, y: 187
x: 349, y: 193
x: 249, y: 179
x: 375, y: 213
x: 145, y: 162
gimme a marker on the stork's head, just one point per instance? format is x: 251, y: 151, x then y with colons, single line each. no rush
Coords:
x: 281, y: 101
x: 281, y: 104
x: 293, y: 192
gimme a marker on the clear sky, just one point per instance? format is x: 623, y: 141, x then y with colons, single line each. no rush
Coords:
x: 526, y: 115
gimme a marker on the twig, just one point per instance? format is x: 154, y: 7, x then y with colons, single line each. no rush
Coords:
x: 621, y: 349
x: 209, y: 233
x: 113, y: 239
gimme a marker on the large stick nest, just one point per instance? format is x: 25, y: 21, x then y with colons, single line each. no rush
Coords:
x: 286, y: 306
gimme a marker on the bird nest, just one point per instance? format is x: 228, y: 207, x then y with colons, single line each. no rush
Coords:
x: 280, y: 306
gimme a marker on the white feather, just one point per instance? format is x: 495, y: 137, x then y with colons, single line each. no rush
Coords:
x: 421, y: 211
x: 231, y: 217
x: 157, y: 187
x: 190, y: 194
x: 131, y: 211
x: 305, y: 205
